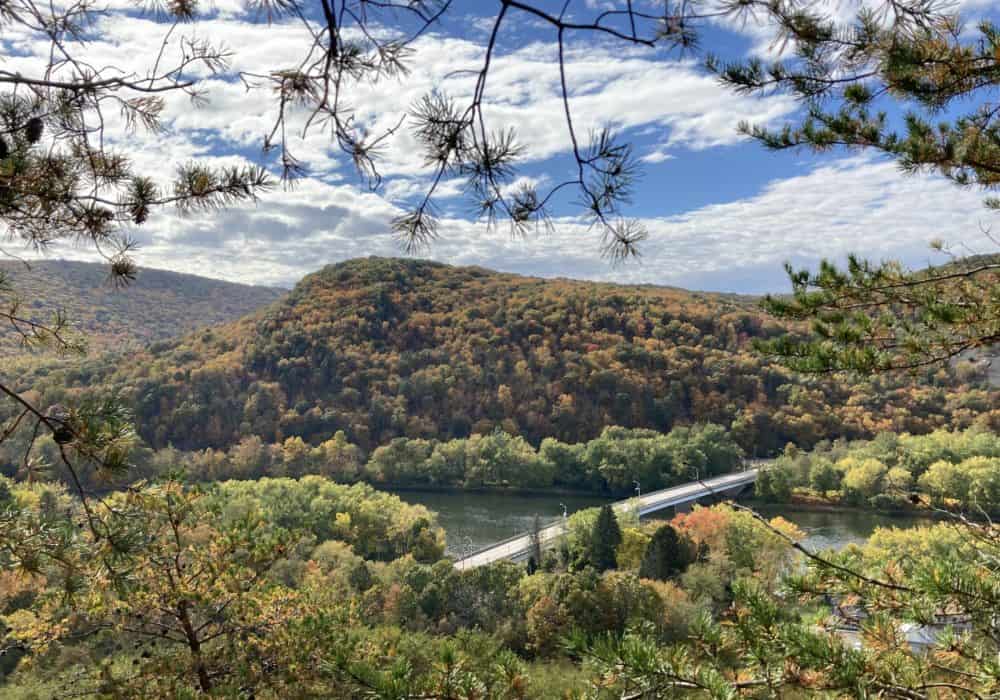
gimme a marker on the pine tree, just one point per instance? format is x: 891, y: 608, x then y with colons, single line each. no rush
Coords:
x: 604, y: 541
x: 669, y: 553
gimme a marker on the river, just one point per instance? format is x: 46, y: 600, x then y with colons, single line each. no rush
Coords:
x: 474, y: 520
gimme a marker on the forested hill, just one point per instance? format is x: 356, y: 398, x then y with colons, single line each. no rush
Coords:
x: 157, y: 305
x: 381, y: 348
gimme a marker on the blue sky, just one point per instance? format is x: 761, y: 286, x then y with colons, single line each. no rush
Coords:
x: 723, y: 213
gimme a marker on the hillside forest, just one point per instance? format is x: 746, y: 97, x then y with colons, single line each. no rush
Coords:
x: 379, y: 349
x: 157, y: 305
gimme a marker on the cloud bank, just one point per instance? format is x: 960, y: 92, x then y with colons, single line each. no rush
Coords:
x: 848, y: 204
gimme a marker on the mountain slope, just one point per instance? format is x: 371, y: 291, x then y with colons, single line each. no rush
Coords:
x: 158, y: 305
x: 381, y: 348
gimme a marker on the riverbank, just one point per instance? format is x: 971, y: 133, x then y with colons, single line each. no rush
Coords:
x: 500, y: 491
x: 799, y: 503
x: 807, y: 504
x: 543, y: 498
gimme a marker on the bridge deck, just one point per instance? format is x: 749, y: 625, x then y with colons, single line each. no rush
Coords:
x: 519, y: 546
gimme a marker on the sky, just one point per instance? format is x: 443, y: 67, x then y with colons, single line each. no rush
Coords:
x: 723, y: 213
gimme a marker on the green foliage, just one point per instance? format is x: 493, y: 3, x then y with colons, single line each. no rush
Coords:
x: 823, y: 476
x: 919, y: 59
x: 377, y: 525
x: 772, y: 485
x: 633, y: 547
x: 971, y: 482
x: 604, y: 540
x: 198, y: 584
x: 871, y: 318
x: 563, y: 604
x: 611, y: 463
x: 668, y: 554
x: 958, y: 469
x: 862, y: 478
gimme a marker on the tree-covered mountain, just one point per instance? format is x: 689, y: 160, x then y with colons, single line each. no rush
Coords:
x: 158, y: 304
x: 381, y: 348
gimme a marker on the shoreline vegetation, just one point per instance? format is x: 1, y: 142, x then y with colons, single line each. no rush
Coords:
x: 806, y: 504
x: 496, y: 491
x: 608, y: 465
x: 935, y: 473
x: 911, y: 475
x: 906, y: 476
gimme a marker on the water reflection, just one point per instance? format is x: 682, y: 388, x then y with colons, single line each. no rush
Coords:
x: 838, y: 529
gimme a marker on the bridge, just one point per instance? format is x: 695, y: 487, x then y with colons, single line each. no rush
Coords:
x: 518, y: 548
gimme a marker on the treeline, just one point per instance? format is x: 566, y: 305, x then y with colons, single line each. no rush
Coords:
x: 381, y: 349
x: 608, y: 464
x: 376, y: 525
x: 944, y: 468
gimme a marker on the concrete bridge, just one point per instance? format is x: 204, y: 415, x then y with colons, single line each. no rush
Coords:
x: 518, y: 548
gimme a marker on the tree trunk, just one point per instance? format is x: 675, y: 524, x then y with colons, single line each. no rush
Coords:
x: 194, y: 644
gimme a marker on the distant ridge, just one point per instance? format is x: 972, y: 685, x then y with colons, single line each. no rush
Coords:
x: 381, y: 348
x: 160, y: 304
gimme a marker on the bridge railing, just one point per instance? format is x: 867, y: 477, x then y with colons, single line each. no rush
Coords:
x: 508, y: 540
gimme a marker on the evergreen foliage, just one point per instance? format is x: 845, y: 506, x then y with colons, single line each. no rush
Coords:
x: 604, y: 540
x: 850, y: 72
x: 668, y: 554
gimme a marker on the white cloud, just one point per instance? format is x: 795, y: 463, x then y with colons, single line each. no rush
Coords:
x: 851, y: 204
x: 657, y: 155
x: 629, y: 89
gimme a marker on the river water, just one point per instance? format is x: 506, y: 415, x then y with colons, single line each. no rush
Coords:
x: 473, y: 520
